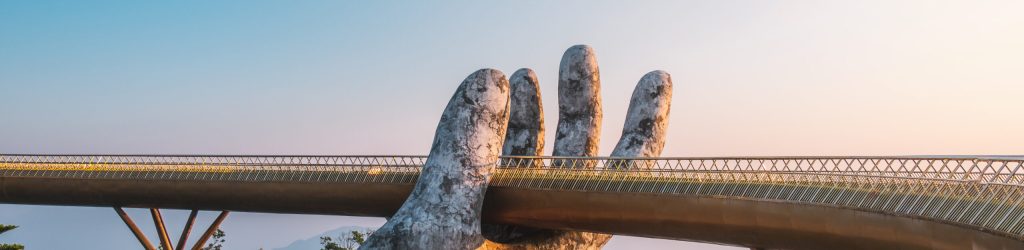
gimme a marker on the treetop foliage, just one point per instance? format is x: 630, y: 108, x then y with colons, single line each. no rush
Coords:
x: 351, y: 242
x: 4, y: 229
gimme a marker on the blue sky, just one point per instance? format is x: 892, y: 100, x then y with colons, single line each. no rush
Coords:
x: 339, y: 77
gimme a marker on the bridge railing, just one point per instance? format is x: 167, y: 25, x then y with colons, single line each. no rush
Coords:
x: 981, y: 192
x: 997, y: 171
x: 252, y: 168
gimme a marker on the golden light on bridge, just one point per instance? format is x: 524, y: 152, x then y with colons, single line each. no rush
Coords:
x: 375, y: 171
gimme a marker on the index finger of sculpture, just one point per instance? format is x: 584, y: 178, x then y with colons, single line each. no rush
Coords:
x: 525, y: 134
x: 443, y: 211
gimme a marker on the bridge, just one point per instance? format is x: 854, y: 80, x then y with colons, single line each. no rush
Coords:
x: 920, y: 202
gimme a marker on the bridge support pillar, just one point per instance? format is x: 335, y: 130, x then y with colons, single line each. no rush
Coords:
x: 135, y: 229
x: 210, y: 231
x: 165, y: 240
x: 187, y: 230
x: 161, y: 229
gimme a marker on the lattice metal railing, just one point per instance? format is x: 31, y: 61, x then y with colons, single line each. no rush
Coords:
x: 981, y: 192
x: 388, y: 169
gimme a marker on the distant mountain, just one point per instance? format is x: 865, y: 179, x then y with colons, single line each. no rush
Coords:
x: 313, y: 243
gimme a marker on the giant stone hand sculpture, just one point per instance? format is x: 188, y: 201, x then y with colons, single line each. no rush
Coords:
x: 443, y: 211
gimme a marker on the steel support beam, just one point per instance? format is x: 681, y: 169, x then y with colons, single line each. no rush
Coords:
x: 161, y: 229
x: 210, y: 231
x: 135, y: 229
x: 187, y: 230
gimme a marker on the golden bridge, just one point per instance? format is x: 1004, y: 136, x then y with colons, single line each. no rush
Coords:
x: 917, y: 202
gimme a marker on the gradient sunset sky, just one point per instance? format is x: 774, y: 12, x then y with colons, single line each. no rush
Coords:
x: 751, y: 78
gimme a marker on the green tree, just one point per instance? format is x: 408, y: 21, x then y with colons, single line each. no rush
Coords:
x: 4, y: 229
x: 351, y: 242
x: 216, y: 241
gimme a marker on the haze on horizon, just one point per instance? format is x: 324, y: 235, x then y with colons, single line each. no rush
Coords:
x: 321, y: 77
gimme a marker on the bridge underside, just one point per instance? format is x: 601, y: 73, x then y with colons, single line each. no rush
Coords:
x: 730, y: 221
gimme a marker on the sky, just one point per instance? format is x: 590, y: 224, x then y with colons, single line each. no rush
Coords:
x: 751, y: 78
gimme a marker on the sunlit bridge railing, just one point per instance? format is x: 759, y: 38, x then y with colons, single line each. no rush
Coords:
x: 986, y: 193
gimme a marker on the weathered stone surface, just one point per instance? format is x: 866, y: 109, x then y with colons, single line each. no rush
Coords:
x: 579, y: 103
x: 443, y: 211
x: 643, y: 135
x: 525, y: 135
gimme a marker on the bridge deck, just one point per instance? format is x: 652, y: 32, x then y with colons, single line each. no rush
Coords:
x: 911, y: 202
